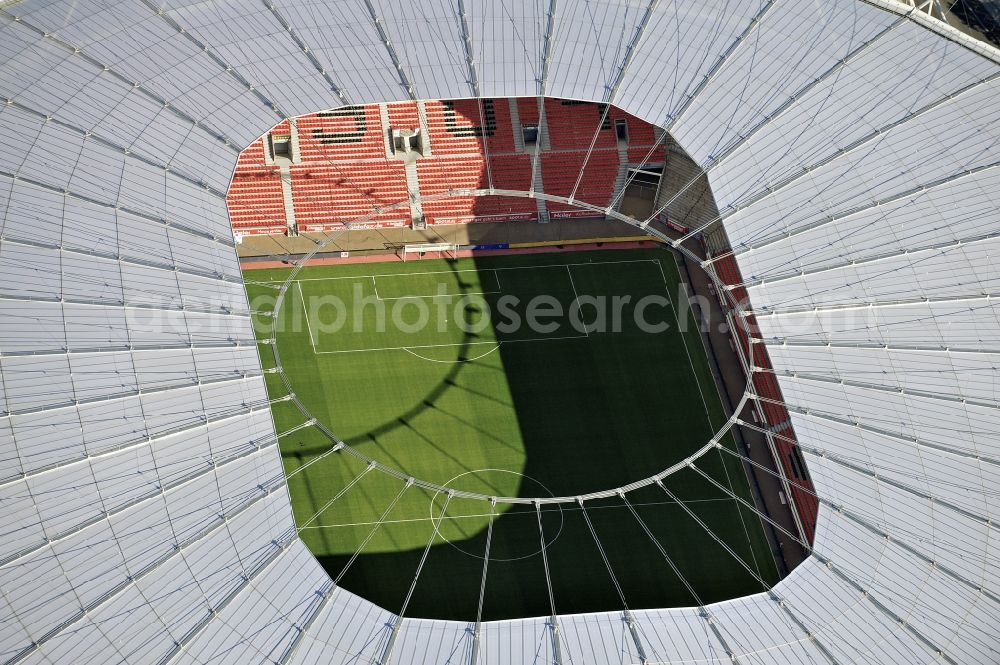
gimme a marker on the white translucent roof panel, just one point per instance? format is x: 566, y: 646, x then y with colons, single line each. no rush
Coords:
x: 862, y: 176
x: 140, y: 47
x: 871, y: 99
x: 508, y: 45
x: 933, y: 217
x: 746, y: 90
x: 851, y: 147
x: 780, y: 622
x: 956, y: 375
x: 940, y: 274
x: 347, y: 627
x: 684, y: 44
x: 427, y: 38
x: 903, y: 416
x: 418, y: 637
x: 967, y: 323
x: 277, y: 72
x: 343, y: 37
x: 592, y: 42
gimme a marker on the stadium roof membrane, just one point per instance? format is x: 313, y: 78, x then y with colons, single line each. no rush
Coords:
x: 853, y: 152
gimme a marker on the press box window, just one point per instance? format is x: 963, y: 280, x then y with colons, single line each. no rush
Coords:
x: 621, y: 130
x: 530, y: 133
x: 281, y: 146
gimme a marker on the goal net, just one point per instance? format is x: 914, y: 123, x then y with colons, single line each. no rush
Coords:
x: 429, y: 250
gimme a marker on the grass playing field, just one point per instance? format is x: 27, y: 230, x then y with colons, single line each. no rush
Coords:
x: 419, y: 365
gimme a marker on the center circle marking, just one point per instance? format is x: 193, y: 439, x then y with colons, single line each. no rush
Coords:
x: 435, y: 515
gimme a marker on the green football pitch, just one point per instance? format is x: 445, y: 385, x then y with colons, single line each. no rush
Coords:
x: 537, y: 375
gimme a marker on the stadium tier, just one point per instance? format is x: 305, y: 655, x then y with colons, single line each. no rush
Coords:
x: 255, y: 199
x: 342, y: 164
x: 333, y: 192
x: 348, y: 134
x: 770, y: 408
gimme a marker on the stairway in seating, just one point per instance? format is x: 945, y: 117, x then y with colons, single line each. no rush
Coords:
x: 515, y: 125
x: 383, y: 115
x: 536, y: 162
x: 622, y: 172
x: 543, y: 127
x: 538, y: 186
x: 289, y: 202
x: 427, y: 149
x: 417, y: 219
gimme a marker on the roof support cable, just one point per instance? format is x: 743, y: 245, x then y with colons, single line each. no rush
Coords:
x: 474, y: 657
x: 557, y: 655
x: 470, y: 60
x: 386, y: 656
x: 486, y: 145
x: 702, y: 611
x: 333, y: 449
x: 342, y: 492
x: 626, y: 612
x: 717, y: 66
x: 876, y: 134
x: 611, y: 89
x: 542, y: 87
x: 814, y: 83
x: 874, y: 528
x: 121, y: 78
x: 376, y: 20
x: 765, y: 586
x: 371, y: 534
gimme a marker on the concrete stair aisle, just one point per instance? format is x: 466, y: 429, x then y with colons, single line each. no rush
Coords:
x: 425, y: 132
x: 543, y: 126
x: 538, y: 186
x: 536, y: 163
x: 383, y: 116
x: 515, y: 124
x: 622, y: 172
x: 288, y: 200
x: 417, y: 219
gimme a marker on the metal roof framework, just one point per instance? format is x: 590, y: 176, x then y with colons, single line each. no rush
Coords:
x: 852, y: 148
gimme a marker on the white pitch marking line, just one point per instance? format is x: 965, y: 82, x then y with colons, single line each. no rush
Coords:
x: 405, y: 348
x: 449, y: 272
x: 439, y: 346
x: 479, y: 516
x: 689, y: 315
x: 438, y: 295
x: 542, y: 339
x: 305, y: 313
x: 451, y: 362
x: 576, y: 298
